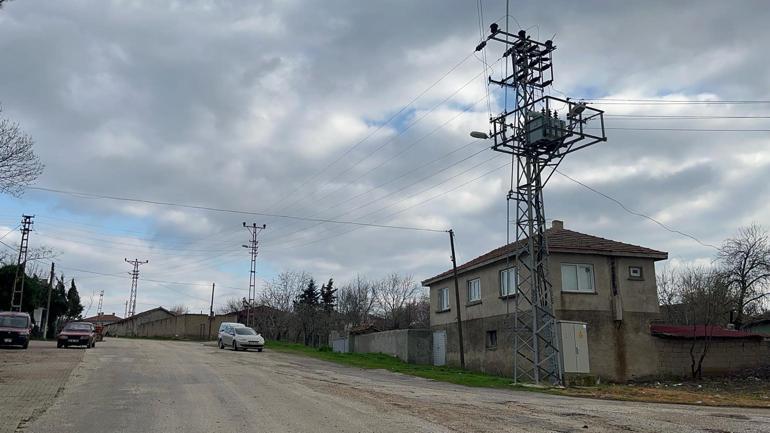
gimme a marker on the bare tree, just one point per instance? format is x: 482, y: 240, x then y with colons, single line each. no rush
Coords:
x: 180, y: 309
x: 232, y: 305
x: 277, y: 298
x: 745, y: 261
x: 19, y: 166
x: 393, y: 293
x: 356, y: 300
x: 697, y: 297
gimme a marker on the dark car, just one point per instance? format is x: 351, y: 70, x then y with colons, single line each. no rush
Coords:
x: 77, y: 334
x: 15, y: 329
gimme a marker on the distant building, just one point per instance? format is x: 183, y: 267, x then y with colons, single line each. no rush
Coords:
x: 128, y: 327
x: 102, y: 319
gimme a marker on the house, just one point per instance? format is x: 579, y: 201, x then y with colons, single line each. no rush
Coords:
x: 102, y: 319
x: 608, y: 285
x: 128, y: 326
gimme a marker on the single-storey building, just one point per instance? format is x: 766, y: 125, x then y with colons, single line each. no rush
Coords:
x: 102, y: 319
x: 128, y: 327
x: 608, y: 285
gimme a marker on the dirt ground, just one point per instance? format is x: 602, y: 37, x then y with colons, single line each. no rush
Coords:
x: 750, y: 390
x: 143, y: 385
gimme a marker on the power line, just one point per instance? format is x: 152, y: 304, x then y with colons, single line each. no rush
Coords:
x: 688, y: 129
x: 223, y: 210
x: 390, y: 119
x: 682, y: 116
x: 633, y: 212
x: 619, y: 101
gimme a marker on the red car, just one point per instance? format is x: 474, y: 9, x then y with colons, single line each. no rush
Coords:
x: 77, y: 334
x: 15, y: 329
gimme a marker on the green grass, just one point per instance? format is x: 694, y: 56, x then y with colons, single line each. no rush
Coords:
x: 390, y: 363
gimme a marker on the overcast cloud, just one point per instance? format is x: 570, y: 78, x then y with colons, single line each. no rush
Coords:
x: 239, y: 105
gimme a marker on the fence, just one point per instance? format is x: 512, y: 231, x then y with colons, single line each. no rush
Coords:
x: 409, y: 345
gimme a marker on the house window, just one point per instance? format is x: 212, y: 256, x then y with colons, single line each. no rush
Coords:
x: 635, y: 272
x: 491, y: 339
x: 474, y: 290
x: 508, y: 282
x: 443, y: 299
x: 577, y: 278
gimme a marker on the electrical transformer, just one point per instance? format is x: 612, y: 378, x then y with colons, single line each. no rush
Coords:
x: 545, y: 130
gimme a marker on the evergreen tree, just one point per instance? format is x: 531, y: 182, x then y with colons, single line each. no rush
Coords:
x: 310, y: 295
x: 58, y: 306
x: 328, y: 297
x: 73, y: 301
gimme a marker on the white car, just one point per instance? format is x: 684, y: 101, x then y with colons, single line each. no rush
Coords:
x: 239, y: 337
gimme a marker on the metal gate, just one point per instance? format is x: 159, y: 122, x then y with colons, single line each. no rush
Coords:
x: 340, y: 345
x: 439, y: 348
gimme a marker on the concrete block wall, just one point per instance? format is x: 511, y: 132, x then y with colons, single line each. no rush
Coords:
x: 409, y: 345
x: 190, y: 326
x: 724, y: 356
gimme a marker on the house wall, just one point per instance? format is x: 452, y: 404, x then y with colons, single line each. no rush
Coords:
x: 409, y: 345
x: 189, y: 326
x: 128, y: 327
x: 619, y: 343
x: 724, y: 356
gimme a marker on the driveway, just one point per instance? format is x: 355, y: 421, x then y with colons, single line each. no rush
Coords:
x: 159, y: 386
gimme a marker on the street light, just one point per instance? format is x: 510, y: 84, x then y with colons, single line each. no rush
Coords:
x: 480, y: 135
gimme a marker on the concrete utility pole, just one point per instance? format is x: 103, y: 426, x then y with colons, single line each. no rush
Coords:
x: 134, y: 281
x: 253, y: 247
x: 48, y: 304
x: 457, y: 300
x: 21, y: 264
x: 537, y: 140
x: 211, y: 308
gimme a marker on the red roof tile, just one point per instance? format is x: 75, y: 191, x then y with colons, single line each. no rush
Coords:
x: 563, y: 241
x: 699, y: 331
x: 103, y: 318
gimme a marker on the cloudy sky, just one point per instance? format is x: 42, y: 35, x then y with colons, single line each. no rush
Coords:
x: 360, y: 111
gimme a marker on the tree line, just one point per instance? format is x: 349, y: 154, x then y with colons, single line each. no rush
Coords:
x: 293, y: 307
x: 732, y: 290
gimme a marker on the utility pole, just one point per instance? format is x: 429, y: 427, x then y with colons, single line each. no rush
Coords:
x: 457, y: 299
x: 131, y: 309
x: 537, y: 140
x: 99, y: 311
x: 211, y: 308
x: 125, y: 311
x: 253, y: 247
x: 48, y: 304
x: 21, y: 263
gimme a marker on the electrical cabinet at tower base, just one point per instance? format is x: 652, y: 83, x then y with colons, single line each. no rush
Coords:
x: 573, y: 337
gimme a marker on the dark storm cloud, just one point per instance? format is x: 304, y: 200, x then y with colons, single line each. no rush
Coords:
x: 240, y: 105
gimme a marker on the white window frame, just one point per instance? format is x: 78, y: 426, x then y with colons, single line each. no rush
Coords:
x: 443, y: 299
x: 506, y: 291
x: 577, y: 267
x: 476, y: 289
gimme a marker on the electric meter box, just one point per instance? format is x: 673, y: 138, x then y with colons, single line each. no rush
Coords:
x: 544, y: 130
x: 573, y: 337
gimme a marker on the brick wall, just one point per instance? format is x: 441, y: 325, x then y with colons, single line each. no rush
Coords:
x: 724, y: 356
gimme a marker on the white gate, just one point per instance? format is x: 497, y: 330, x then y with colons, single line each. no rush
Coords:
x: 439, y: 348
x: 340, y: 345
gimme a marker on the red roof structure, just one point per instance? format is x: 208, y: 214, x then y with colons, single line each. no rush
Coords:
x: 561, y: 240
x: 698, y: 331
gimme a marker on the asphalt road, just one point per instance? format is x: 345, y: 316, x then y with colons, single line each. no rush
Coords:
x: 159, y: 386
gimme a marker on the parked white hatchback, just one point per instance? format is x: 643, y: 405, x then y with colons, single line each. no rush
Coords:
x: 239, y: 337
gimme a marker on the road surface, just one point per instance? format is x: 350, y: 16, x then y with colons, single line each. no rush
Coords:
x: 161, y: 386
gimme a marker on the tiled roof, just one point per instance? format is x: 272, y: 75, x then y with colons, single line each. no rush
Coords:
x: 562, y: 241
x: 103, y: 318
x: 698, y: 331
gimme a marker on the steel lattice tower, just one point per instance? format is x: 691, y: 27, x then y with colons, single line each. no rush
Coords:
x: 537, y: 140
x: 21, y: 264
x: 99, y: 307
x: 134, y: 280
x: 253, y: 247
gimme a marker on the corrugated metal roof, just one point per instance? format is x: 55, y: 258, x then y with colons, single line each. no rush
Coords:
x: 699, y: 331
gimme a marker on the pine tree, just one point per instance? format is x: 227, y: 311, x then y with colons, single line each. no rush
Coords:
x: 328, y: 297
x: 309, y: 295
x: 73, y: 301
